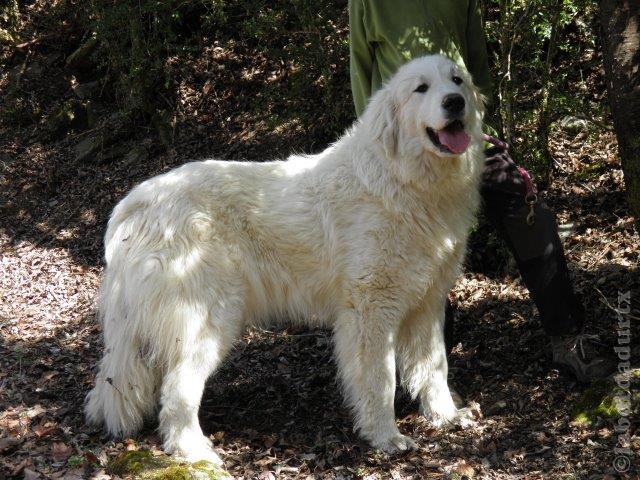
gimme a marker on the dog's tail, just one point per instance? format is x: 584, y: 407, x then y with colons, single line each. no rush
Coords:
x: 123, y: 396
x: 125, y: 391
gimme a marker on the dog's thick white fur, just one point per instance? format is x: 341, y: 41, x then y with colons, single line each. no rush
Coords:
x: 366, y: 237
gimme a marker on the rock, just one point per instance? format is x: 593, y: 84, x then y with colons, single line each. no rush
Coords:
x: 97, y: 150
x: 85, y: 91
x: 89, y: 148
x: 108, y: 154
x: 15, y: 76
x: 136, y: 155
x: 52, y: 59
x: 164, y: 126
x: 497, y: 407
x: 34, y: 70
x: 80, y: 57
x: 95, y: 113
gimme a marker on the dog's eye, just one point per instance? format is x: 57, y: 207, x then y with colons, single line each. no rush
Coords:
x: 423, y: 87
x: 457, y: 80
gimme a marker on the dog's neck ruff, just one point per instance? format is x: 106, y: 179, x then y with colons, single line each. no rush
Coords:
x: 414, y: 175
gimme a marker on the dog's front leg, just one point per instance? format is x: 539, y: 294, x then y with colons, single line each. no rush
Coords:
x: 366, y: 362
x: 422, y: 359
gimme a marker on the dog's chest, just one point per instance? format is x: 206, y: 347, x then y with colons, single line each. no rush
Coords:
x: 427, y: 247
x: 428, y: 242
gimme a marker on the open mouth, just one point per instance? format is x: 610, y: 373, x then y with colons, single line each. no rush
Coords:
x: 450, y: 139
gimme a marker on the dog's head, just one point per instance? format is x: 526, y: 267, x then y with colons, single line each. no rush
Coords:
x: 429, y: 105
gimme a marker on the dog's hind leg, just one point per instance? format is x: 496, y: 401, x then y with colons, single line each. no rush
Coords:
x: 366, y: 363
x: 200, y: 351
x: 422, y: 361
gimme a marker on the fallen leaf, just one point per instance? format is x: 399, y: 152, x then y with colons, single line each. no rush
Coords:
x: 464, y: 469
x: 541, y: 437
x: 9, y: 443
x: 474, y: 407
x: 30, y: 474
x: 20, y: 467
x: 266, y: 461
x: 90, y: 457
x: 44, y: 429
x: 270, y: 440
x: 35, y: 411
x: 61, y: 451
x: 266, y: 475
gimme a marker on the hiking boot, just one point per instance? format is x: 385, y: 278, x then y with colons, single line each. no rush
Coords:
x: 575, y: 354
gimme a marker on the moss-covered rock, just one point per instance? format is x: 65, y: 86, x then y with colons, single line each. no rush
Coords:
x: 80, y: 57
x: 608, y: 401
x: 144, y: 465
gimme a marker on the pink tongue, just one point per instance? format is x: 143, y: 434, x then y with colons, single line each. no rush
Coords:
x: 455, y: 140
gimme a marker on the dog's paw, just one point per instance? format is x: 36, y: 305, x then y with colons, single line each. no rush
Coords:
x: 395, y: 444
x: 463, y: 417
x: 194, y: 449
x: 440, y: 412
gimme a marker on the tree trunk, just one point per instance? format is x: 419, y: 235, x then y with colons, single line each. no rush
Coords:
x: 620, y: 20
x: 544, y: 122
x: 505, y: 87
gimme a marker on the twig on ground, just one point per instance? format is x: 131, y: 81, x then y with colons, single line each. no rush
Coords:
x: 606, y: 303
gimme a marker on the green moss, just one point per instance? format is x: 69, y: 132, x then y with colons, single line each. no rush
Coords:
x: 599, y: 401
x: 144, y: 465
x: 591, y: 172
x: 172, y: 472
x: 131, y: 462
x: 75, y: 461
x: 595, y: 402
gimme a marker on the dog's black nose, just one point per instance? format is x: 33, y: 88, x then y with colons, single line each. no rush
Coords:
x: 453, y: 104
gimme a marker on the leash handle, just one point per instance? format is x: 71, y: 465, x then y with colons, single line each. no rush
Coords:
x: 531, y: 194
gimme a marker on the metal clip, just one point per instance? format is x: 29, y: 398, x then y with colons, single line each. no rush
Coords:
x: 531, y: 200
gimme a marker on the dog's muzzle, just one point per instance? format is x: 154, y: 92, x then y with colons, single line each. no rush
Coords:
x: 452, y: 138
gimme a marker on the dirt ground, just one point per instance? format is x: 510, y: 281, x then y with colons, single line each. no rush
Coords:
x: 274, y: 410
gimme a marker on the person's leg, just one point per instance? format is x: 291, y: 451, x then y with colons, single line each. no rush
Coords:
x: 535, y: 244
x: 530, y: 232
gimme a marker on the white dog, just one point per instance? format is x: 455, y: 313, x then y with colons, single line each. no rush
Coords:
x: 366, y: 237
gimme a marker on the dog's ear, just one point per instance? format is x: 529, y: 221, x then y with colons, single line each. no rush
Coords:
x: 381, y: 117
